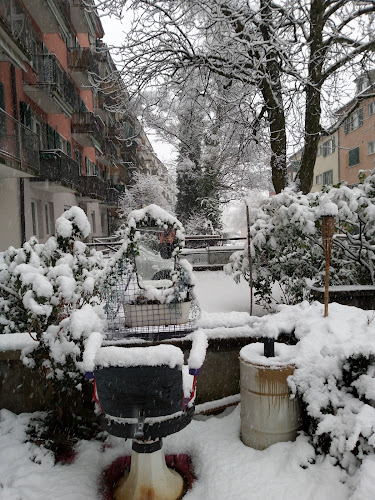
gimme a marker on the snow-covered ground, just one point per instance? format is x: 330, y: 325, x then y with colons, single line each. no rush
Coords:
x: 225, y: 467
x: 217, y: 292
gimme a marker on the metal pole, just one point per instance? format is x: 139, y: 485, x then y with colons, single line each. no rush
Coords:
x: 250, y: 259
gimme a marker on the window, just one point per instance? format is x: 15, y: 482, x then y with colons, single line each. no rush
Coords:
x: 328, y: 178
x: 91, y: 168
x: 78, y: 156
x: 48, y: 212
x: 34, y: 218
x: 362, y: 83
x: 25, y: 114
x: 328, y: 147
x: 371, y: 148
x: 370, y: 108
x: 353, y: 157
x: 319, y: 179
x: 93, y: 221
x: 354, y: 121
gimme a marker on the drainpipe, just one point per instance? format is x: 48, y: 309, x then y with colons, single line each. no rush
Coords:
x: 338, y: 154
x: 18, y: 138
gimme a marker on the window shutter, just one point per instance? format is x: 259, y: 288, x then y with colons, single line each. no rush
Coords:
x: 57, y: 140
x: 69, y: 149
x: 324, y: 150
x: 353, y: 157
x: 346, y: 126
x: 333, y: 144
x: 50, y: 137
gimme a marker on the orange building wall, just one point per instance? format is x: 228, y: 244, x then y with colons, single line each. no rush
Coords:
x: 83, y: 39
x: 62, y: 124
x: 5, y: 78
x: 357, y: 138
x: 87, y: 98
x: 56, y: 44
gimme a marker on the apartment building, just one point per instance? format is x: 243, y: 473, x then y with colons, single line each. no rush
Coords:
x: 357, y: 134
x: 62, y: 142
x: 326, y: 170
x: 350, y: 148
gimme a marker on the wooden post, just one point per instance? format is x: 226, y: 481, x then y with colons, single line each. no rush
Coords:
x: 250, y: 260
x: 328, y: 228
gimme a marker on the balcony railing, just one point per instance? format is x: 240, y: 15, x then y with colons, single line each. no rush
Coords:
x: 113, y: 196
x: 85, y: 125
x: 93, y: 187
x: 16, y: 30
x: 18, y: 145
x: 51, y: 74
x: 82, y: 62
x: 58, y: 167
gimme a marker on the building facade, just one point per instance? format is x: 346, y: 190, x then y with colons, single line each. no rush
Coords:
x: 63, y: 141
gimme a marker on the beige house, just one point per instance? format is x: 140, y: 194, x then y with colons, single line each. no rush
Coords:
x: 326, y: 170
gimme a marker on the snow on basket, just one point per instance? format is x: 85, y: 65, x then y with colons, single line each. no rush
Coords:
x: 148, y: 288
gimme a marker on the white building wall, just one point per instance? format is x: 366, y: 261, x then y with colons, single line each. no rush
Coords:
x: 10, y: 213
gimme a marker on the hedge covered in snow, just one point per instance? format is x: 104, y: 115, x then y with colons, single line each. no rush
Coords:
x: 286, y: 242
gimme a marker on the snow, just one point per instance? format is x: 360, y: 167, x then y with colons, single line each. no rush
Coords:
x: 225, y: 467
x: 254, y: 354
x: 137, y: 356
x: 74, y: 216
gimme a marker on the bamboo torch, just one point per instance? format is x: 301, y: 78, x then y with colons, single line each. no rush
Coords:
x: 328, y: 228
x: 250, y: 259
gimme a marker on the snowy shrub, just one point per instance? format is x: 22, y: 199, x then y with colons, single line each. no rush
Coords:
x: 146, y: 189
x: 334, y: 376
x: 286, y: 243
x: 154, y: 220
x: 51, y: 291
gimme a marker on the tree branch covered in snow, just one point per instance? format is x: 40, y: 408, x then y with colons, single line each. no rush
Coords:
x: 279, y: 59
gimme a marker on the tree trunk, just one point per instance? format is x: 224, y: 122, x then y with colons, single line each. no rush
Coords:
x: 272, y: 94
x: 313, y: 96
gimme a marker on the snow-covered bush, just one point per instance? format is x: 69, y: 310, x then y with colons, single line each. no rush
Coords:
x: 146, y: 189
x: 51, y: 291
x: 180, y: 281
x: 286, y: 243
x: 334, y: 376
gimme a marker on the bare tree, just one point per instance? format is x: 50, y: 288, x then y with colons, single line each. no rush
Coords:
x: 277, y: 53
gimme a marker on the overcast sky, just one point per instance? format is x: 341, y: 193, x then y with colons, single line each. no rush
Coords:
x: 114, y: 35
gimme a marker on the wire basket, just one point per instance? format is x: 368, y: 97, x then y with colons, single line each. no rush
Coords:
x: 149, y: 292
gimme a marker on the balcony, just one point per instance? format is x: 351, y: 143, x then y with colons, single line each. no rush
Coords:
x: 52, y: 16
x: 54, y: 91
x: 85, y: 20
x: 109, y: 155
x: 113, y: 196
x: 92, y: 188
x: 58, y: 171
x: 13, y: 38
x: 19, y: 148
x: 87, y: 129
x: 81, y: 63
